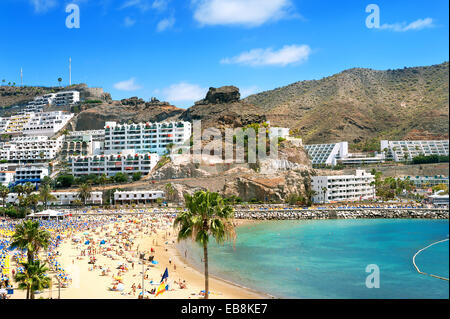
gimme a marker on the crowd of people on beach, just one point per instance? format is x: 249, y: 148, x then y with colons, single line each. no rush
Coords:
x: 99, y: 241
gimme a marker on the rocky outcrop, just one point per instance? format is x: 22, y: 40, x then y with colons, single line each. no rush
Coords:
x: 133, y: 111
x: 224, y: 94
x: 266, y: 188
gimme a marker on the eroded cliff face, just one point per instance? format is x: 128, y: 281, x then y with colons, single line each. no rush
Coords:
x: 125, y: 111
x: 266, y: 180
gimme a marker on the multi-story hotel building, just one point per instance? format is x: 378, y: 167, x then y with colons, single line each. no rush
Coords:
x: 326, y: 154
x: 97, y: 135
x: 128, y: 162
x: 340, y: 188
x: 427, y: 181
x: 6, y: 177
x: 64, y: 198
x: 58, y: 99
x: 30, y: 173
x: 337, y: 153
x: 68, y: 198
x: 30, y: 149
x: 137, y: 196
x: 47, y: 123
x: 14, y: 125
x: 66, y: 98
x: 407, y: 150
x: 145, y: 137
x: 38, y: 104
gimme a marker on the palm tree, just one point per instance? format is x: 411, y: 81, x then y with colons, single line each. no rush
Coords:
x: 28, y: 235
x: 170, y: 191
x: 32, y: 201
x: 84, y: 192
x: 45, y: 194
x: 59, y: 80
x: 19, y: 190
x: 33, y: 278
x: 324, y: 192
x: 207, y: 215
x: 4, y: 191
x: 28, y: 188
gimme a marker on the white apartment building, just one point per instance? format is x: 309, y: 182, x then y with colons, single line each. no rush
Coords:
x: 66, y: 98
x: 407, y: 150
x: 30, y: 149
x: 63, y: 198
x: 359, y: 159
x: 47, y: 123
x: 14, y: 125
x: 327, y: 154
x: 137, y: 196
x: 337, y: 153
x: 145, y: 137
x: 67, y: 198
x: 38, y: 104
x: 6, y: 177
x: 128, y: 162
x: 427, y: 181
x: 97, y: 135
x: 30, y: 173
x: 58, y: 99
x: 340, y: 188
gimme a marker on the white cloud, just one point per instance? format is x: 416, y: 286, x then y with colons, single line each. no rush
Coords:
x: 128, y: 22
x: 419, y: 24
x: 165, y: 24
x: 128, y: 85
x: 240, y: 12
x: 160, y: 4
x: 184, y: 91
x: 41, y: 6
x: 145, y: 5
x: 289, y: 54
x: 246, y: 91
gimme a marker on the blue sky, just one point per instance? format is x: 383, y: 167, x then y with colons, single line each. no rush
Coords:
x: 177, y: 49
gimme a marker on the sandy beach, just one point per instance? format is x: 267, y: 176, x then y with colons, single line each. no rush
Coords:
x: 153, y: 235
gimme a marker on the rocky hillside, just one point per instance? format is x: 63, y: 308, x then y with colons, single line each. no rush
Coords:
x: 13, y: 97
x: 132, y: 110
x: 358, y: 104
x: 222, y: 107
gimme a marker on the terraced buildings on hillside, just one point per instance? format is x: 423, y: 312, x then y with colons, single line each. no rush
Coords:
x: 406, y: 150
x: 44, y: 123
x: 127, y: 162
x: 145, y: 137
x: 337, y: 153
x: 30, y: 149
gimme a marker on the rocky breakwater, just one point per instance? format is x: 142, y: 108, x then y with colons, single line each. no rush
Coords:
x: 343, y: 214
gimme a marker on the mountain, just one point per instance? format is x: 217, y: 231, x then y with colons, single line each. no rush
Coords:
x: 359, y: 104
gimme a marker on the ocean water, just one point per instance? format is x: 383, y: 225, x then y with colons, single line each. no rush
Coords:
x: 318, y: 259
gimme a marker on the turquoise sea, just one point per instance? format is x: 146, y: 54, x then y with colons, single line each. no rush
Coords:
x: 328, y: 258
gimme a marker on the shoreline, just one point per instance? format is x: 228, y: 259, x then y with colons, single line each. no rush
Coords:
x: 178, y: 255
x: 238, y: 291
